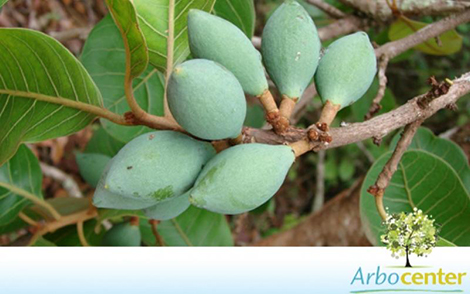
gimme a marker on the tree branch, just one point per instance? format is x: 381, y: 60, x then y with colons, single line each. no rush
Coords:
x: 433, y: 30
x: 375, y: 107
x: 383, y: 180
x: 380, y: 11
x: 327, y: 8
x: 376, y: 127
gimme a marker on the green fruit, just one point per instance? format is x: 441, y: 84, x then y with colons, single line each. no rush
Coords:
x: 214, y: 38
x: 123, y: 234
x: 346, y: 70
x: 241, y: 178
x: 151, y: 169
x: 91, y: 166
x: 169, y: 209
x: 206, y: 100
x: 291, y: 49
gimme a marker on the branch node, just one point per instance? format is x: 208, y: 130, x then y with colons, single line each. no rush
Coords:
x: 438, y: 89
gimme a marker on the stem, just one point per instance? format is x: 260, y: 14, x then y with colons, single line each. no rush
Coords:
x: 96, y: 110
x: 33, y: 198
x: 159, y: 240
x: 81, y: 234
x: 287, y: 107
x: 379, y: 204
x: 300, y: 147
x: 274, y: 118
x: 236, y: 141
x: 27, y: 219
x: 134, y: 221
x: 67, y: 220
x: 181, y: 233
x: 328, y: 114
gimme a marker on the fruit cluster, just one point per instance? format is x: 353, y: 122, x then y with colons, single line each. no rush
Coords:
x: 163, y: 172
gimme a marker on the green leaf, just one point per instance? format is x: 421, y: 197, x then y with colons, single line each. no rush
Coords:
x: 239, y: 12
x: 255, y: 116
x: 91, y: 166
x: 43, y: 242
x: 112, y: 214
x: 447, y: 150
x: 35, y: 69
x: 68, y: 236
x: 2, y: 2
x: 125, y: 18
x: 64, y: 206
x: 104, y: 57
x: 23, y: 172
x: 444, y: 243
x: 16, y: 224
x: 194, y: 227
x: 163, y: 23
x: 425, y: 181
x: 449, y: 42
x: 102, y: 143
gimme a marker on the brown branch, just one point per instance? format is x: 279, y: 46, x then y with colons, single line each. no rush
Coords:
x: 327, y: 8
x: 382, y: 125
x: 375, y: 127
x: 433, y: 30
x: 376, y: 107
x: 392, y: 49
x: 158, y: 237
x: 383, y: 180
x: 344, y: 26
x: 380, y: 11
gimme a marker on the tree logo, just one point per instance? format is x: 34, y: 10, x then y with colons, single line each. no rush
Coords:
x: 408, y: 233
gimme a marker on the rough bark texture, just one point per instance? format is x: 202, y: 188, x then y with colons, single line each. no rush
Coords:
x: 337, y: 224
x: 379, y: 9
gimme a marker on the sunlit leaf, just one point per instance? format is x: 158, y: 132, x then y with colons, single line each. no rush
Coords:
x: 448, y: 43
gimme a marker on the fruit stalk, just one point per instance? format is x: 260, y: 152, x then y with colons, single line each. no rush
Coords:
x: 287, y: 107
x: 328, y: 114
x: 300, y: 147
x: 236, y: 141
x: 279, y: 123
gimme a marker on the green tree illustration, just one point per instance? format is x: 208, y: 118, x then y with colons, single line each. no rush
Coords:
x: 408, y: 233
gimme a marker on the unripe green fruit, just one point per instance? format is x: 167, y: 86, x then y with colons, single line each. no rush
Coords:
x: 291, y: 48
x: 214, y: 38
x: 169, y: 209
x: 151, y: 169
x: 123, y: 234
x: 241, y: 178
x: 206, y: 100
x: 91, y: 166
x: 346, y: 70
